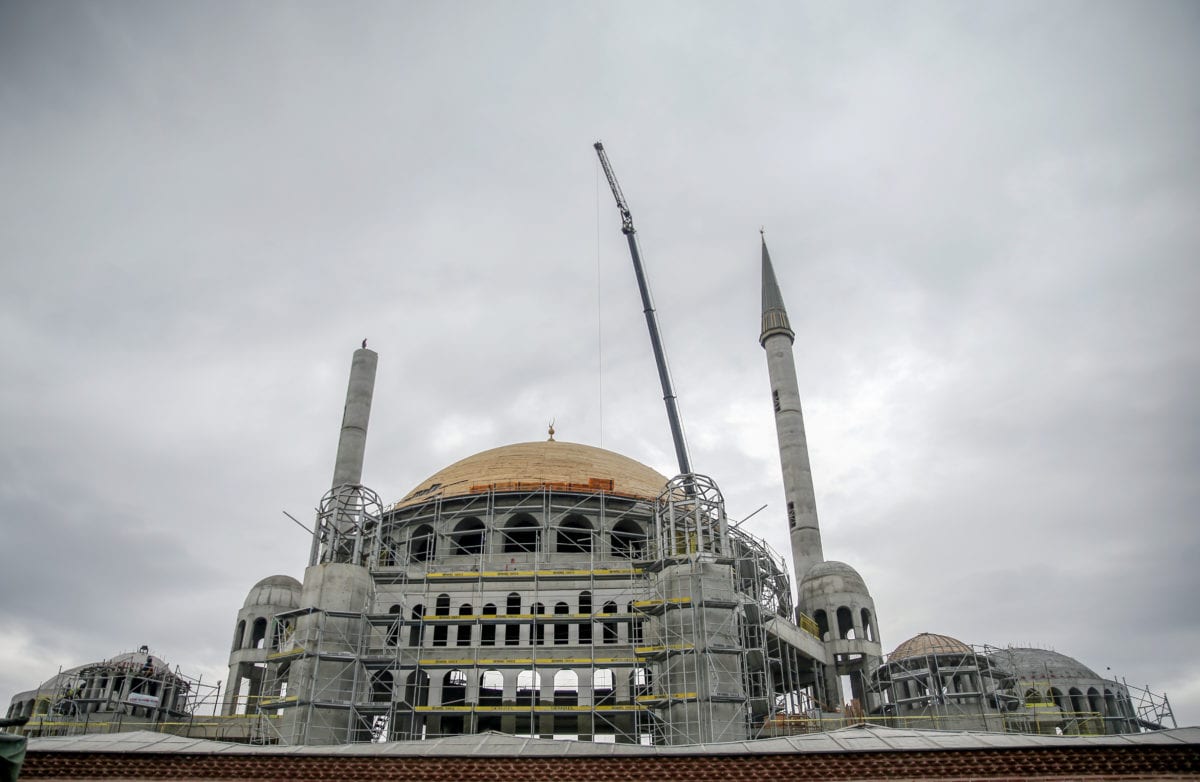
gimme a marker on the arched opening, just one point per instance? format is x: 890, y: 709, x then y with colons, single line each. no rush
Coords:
x: 422, y: 544
x: 628, y: 540
x: 281, y: 631
x: 562, y: 630
x: 822, y: 620
x: 603, y: 687
x: 416, y: 691
x: 635, y: 624
x: 441, y: 630
x: 522, y: 534
x: 416, y: 633
x: 512, y: 630
x: 868, y: 629
x: 575, y: 535
x: 639, y: 682
x: 238, y: 634
x: 845, y: 623
x: 487, y: 628
x: 529, y: 688
x: 566, y: 688
x: 469, y: 536
x: 393, y: 633
x: 454, y: 688
x: 464, y: 630
x: 585, y: 607
x: 381, y: 686
x: 258, y: 632
x: 609, y: 628
x: 1060, y: 700
x: 491, y: 688
x: 1079, y: 705
x: 539, y: 627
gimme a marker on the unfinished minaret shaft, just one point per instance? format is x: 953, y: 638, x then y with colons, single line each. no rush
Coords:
x: 338, y: 588
x: 776, y: 338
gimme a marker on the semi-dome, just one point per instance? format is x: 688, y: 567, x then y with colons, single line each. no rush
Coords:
x: 278, y: 590
x: 831, y: 576
x: 1036, y: 664
x: 925, y: 644
x: 569, y: 466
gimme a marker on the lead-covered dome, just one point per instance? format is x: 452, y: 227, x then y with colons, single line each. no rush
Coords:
x: 565, y: 466
x: 274, y: 591
x: 1037, y: 664
x: 831, y: 576
x: 925, y: 644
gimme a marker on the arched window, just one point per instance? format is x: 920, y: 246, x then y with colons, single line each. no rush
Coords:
x: 566, y: 688
x: 487, y: 629
x: 609, y: 628
x: 822, y: 620
x: 454, y: 688
x: 628, y: 540
x: 491, y: 688
x: 416, y: 633
x: 512, y: 630
x: 469, y: 536
x: 603, y: 687
x: 239, y: 633
x: 258, y: 633
x: 635, y: 624
x: 522, y: 534
x: 381, y: 686
x: 529, y: 688
x: 417, y: 690
x: 868, y: 629
x: 845, y: 621
x: 393, y: 633
x: 575, y: 535
x: 422, y: 544
x: 562, y: 630
x: 585, y: 607
x: 639, y: 682
x: 441, y: 630
x: 539, y: 627
x: 464, y: 630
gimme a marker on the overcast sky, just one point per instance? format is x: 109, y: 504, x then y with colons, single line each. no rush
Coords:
x: 983, y: 216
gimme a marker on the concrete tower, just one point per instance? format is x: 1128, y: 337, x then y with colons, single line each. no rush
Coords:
x: 776, y: 338
x: 338, y: 588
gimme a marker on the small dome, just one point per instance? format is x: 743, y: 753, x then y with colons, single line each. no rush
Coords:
x: 925, y: 644
x: 274, y: 591
x: 833, y: 576
x: 1038, y: 664
x: 530, y: 465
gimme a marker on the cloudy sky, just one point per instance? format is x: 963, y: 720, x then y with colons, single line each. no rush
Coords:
x: 984, y: 218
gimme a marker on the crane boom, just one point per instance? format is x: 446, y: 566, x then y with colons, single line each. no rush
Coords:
x: 660, y: 358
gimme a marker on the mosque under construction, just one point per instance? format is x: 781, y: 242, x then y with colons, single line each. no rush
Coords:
x: 553, y: 589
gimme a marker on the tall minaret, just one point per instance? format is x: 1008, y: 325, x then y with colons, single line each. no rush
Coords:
x: 776, y: 338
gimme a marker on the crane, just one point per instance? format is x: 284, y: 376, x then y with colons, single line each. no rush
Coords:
x: 660, y: 358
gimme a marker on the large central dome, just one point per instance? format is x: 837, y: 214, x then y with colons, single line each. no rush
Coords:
x: 531, y: 465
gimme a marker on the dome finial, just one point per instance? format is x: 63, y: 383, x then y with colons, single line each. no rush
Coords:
x: 551, y: 429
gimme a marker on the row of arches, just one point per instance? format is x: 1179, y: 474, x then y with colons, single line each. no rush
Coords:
x: 256, y: 638
x: 563, y: 624
x: 848, y: 625
x: 495, y: 688
x: 520, y: 533
x: 1107, y: 704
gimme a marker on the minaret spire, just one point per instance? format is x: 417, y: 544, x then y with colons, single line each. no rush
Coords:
x: 774, y: 314
x: 776, y: 338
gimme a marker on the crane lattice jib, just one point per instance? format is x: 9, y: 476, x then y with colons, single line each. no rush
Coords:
x: 660, y: 358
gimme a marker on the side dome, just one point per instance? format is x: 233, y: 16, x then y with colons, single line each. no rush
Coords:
x: 274, y: 591
x: 925, y: 644
x: 564, y: 466
x: 1028, y: 663
x: 831, y: 576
